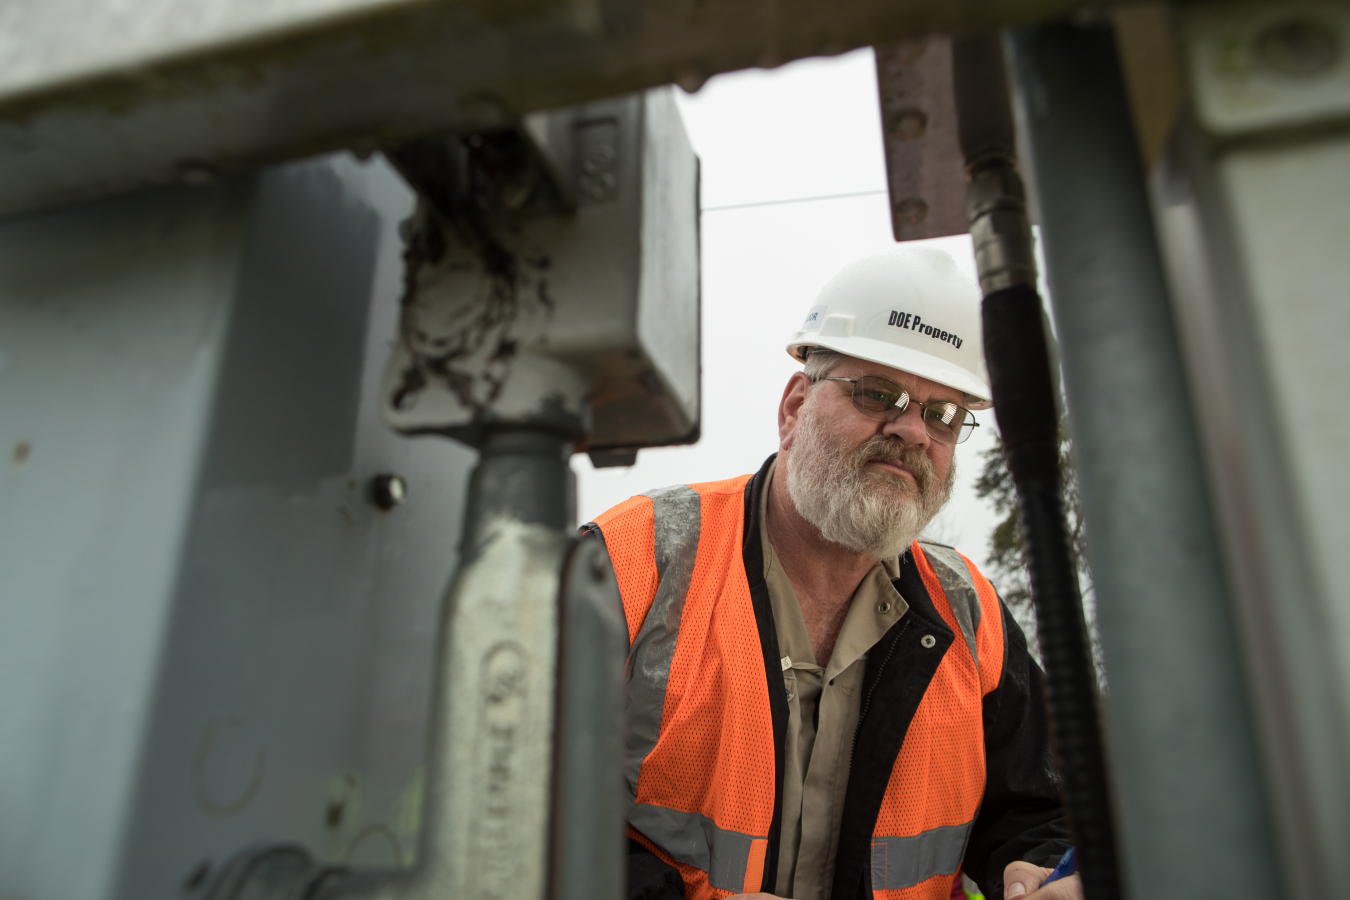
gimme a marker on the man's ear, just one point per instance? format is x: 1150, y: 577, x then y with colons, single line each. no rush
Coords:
x: 790, y: 407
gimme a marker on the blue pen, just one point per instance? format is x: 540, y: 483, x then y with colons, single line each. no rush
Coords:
x: 1067, y: 866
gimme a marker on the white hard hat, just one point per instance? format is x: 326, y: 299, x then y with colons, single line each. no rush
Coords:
x: 909, y: 308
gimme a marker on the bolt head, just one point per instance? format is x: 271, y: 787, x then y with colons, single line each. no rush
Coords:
x: 1299, y: 48
x: 911, y: 210
x: 388, y: 491
x: 907, y: 124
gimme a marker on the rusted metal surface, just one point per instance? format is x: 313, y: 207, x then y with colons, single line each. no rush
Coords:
x: 518, y: 308
x: 99, y: 97
x: 925, y: 171
x: 476, y: 288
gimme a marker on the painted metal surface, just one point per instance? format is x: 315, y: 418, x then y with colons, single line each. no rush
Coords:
x: 210, y: 633
x: 99, y: 97
x: 1251, y: 201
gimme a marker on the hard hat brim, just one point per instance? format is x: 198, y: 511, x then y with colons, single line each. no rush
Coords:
x: 897, y: 357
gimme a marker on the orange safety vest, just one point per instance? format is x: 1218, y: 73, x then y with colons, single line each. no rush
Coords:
x: 706, y: 708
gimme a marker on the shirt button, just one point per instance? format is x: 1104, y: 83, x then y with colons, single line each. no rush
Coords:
x: 928, y: 641
x: 884, y: 607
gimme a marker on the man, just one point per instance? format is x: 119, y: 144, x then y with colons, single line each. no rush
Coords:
x: 820, y: 705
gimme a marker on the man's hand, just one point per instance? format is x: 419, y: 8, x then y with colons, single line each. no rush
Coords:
x: 1022, y: 879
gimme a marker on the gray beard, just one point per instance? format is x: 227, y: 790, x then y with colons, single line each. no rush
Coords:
x: 873, y: 513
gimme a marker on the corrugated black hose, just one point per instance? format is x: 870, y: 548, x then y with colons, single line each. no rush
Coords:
x: 1024, y: 397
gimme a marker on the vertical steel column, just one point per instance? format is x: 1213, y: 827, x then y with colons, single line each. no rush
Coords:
x: 1021, y: 375
x: 1193, y: 820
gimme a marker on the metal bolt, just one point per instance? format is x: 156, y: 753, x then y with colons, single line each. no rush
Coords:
x: 884, y: 607
x: 928, y: 641
x: 907, y: 124
x: 1299, y: 48
x: 388, y: 491
x: 911, y: 210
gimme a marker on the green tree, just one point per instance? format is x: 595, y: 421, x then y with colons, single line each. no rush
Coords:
x: 1007, y: 557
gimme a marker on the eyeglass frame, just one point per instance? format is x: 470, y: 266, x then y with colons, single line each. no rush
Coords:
x: 967, y: 428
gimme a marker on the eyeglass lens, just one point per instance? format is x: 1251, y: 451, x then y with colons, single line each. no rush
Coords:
x: 945, y: 421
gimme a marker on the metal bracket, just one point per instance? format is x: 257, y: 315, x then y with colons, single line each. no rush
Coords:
x: 552, y: 280
x: 476, y: 295
x: 924, y: 168
x: 1257, y: 67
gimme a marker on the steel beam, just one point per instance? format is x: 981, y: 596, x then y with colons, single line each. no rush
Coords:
x: 1193, y: 821
x: 99, y: 97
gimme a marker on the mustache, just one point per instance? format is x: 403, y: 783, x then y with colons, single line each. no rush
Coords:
x: 884, y: 449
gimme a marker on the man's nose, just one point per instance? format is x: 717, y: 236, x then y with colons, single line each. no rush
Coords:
x: 908, y: 427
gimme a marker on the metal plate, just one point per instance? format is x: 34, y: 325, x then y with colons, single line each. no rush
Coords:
x: 925, y: 170
x: 209, y: 633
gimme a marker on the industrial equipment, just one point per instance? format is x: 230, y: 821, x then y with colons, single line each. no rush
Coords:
x: 249, y: 248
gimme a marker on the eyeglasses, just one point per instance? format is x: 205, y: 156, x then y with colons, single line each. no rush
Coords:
x: 881, y: 398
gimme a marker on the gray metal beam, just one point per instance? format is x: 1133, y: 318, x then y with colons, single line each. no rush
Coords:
x: 99, y: 97
x: 1191, y: 799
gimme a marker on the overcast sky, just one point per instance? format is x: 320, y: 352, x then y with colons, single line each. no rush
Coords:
x: 808, y: 129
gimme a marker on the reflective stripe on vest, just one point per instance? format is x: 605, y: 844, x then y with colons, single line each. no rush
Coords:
x: 694, y: 645
x: 733, y: 861
x: 954, y: 575
x: 700, y: 754
x: 919, y: 841
x: 676, y: 520
x: 903, y: 862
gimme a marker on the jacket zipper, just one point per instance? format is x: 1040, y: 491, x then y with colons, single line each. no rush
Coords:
x: 867, y: 700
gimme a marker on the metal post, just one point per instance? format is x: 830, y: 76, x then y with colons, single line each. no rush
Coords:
x: 496, y: 785
x: 1021, y: 375
x: 589, y: 794
x: 518, y: 339
x: 1193, y: 821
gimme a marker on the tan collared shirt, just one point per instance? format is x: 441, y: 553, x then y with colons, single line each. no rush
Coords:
x: 823, y: 709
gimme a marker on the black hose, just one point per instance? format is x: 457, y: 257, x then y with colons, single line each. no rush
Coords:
x: 1024, y: 397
